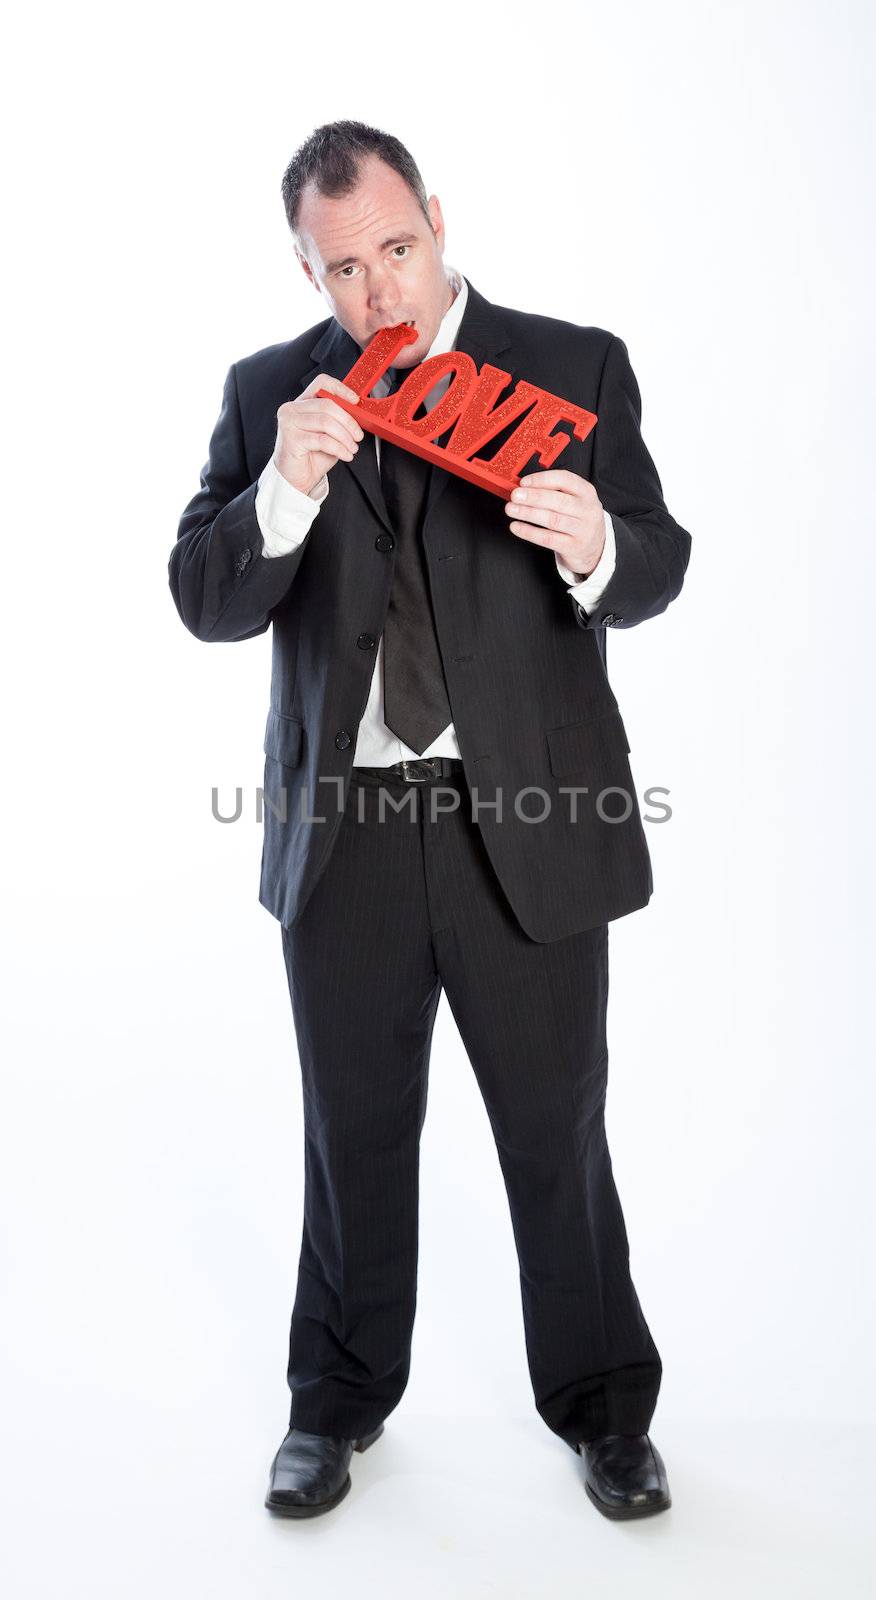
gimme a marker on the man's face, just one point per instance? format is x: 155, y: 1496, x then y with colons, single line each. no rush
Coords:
x: 375, y: 259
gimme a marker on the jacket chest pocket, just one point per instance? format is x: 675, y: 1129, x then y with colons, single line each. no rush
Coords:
x: 580, y: 746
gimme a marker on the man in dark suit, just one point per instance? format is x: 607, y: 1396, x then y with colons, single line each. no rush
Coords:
x: 448, y: 805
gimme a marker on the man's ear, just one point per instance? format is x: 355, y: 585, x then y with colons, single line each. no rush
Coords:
x: 436, y: 219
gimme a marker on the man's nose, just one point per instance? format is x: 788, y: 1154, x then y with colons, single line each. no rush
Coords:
x: 382, y: 300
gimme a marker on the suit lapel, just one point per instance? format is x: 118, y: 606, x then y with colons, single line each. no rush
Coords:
x: 482, y: 335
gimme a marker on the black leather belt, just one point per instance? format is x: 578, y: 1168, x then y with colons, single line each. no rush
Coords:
x: 419, y: 771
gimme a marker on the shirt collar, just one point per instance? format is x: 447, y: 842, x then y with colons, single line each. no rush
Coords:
x: 448, y: 328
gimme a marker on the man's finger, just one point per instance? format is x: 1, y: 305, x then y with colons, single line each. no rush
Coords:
x: 534, y: 517
x: 533, y: 535
x: 325, y: 380
x: 543, y: 517
x: 557, y: 478
x: 551, y: 499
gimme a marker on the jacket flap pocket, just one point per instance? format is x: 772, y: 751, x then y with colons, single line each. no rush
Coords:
x: 283, y: 738
x: 579, y: 745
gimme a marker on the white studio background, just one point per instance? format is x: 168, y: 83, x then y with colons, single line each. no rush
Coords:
x: 697, y: 180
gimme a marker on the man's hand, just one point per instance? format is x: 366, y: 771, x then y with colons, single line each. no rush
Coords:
x: 568, y: 506
x: 313, y: 434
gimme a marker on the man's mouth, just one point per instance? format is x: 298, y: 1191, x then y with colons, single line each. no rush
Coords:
x: 410, y: 322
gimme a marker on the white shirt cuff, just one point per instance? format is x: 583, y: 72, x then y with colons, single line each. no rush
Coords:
x: 588, y: 591
x: 284, y: 513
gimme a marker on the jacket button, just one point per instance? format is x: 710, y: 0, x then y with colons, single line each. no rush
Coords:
x: 608, y: 619
x: 384, y: 541
x: 342, y: 739
x: 366, y: 641
x: 243, y: 560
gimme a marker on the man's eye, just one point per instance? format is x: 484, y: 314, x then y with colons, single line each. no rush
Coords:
x: 401, y: 247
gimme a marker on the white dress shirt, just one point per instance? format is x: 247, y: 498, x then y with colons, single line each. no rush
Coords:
x: 285, y: 515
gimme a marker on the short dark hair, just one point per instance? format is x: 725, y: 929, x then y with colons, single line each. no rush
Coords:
x: 331, y: 158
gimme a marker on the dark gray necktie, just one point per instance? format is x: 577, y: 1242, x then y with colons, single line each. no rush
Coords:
x: 416, y: 703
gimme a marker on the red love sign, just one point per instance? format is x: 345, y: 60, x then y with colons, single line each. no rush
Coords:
x: 468, y: 403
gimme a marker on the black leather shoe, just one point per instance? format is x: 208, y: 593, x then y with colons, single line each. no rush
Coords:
x: 309, y: 1473
x: 625, y: 1475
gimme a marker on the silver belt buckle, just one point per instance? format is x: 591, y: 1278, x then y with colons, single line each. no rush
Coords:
x: 410, y: 775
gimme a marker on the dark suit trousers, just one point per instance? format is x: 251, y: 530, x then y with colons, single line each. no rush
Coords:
x: 405, y: 906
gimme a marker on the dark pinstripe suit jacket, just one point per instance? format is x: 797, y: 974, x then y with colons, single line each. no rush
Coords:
x: 533, y: 709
